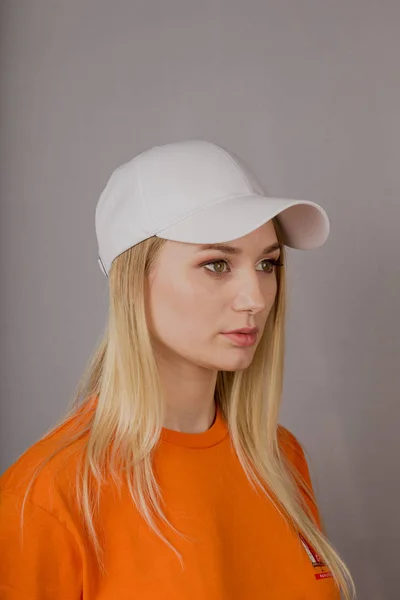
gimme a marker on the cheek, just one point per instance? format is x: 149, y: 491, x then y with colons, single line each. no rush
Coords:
x: 178, y: 312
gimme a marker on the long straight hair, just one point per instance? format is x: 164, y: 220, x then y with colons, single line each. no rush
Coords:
x: 119, y: 401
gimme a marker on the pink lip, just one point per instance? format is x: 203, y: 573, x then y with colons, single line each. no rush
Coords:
x: 244, y: 330
x: 242, y: 339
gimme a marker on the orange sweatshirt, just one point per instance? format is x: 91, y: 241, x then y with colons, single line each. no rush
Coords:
x: 240, y: 548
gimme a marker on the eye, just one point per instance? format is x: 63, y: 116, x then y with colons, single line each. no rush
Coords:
x: 273, y: 264
x: 216, y: 262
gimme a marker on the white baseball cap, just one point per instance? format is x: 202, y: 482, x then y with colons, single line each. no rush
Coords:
x: 199, y: 192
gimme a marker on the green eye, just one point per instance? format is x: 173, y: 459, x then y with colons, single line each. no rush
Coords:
x: 219, y: 262
x: 220, y: 271
x: 268, y: 262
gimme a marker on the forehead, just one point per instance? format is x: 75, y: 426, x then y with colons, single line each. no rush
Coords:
x: 261, y: 240
x: 255, y: 244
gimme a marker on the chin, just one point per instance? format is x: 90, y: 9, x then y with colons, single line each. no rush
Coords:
x: 240, y: 364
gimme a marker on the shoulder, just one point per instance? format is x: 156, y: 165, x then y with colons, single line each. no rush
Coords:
x: 290, y: 445
x: 294, y: 452
x: 44, y: 517
x: 48, y: 468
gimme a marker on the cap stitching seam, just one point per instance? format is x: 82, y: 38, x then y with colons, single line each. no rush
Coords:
x: 237, y: 167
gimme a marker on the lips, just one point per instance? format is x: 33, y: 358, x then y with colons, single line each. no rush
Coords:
x: 242, y: 339
x: 249, y: 330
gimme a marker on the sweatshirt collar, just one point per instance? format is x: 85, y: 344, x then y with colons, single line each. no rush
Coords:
x: 212, y: 436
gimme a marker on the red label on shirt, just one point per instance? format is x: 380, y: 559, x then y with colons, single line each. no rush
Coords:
x: 320, y: 569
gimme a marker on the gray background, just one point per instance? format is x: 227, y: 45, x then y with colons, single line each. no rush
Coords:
x: 308, y: 93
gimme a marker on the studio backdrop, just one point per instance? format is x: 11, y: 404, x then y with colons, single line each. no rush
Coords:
x: 308, y: 93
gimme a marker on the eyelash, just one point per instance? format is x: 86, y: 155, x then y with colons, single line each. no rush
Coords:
x: 275, y: 263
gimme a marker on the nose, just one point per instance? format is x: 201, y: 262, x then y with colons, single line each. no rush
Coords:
x: 251, y: 295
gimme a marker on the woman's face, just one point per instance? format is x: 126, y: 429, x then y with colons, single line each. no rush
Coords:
x: 189, y: 304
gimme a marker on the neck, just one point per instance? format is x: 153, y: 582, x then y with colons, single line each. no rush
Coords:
x: 188, y: 392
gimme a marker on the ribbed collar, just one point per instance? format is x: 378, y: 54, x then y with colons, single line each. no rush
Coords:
x: 212, y: 436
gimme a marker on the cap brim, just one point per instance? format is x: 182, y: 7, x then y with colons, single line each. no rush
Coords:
x: 305, y: 224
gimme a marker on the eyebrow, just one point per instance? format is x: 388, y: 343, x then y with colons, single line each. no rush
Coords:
x: 234, y: 250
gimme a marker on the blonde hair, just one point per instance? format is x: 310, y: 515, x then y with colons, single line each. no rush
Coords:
x: 119, y: 436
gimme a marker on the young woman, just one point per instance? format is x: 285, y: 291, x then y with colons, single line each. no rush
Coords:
x: 169, y: 477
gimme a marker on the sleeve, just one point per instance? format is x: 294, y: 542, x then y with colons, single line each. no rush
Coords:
x: 297, y: 458
x: 44, y: 565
